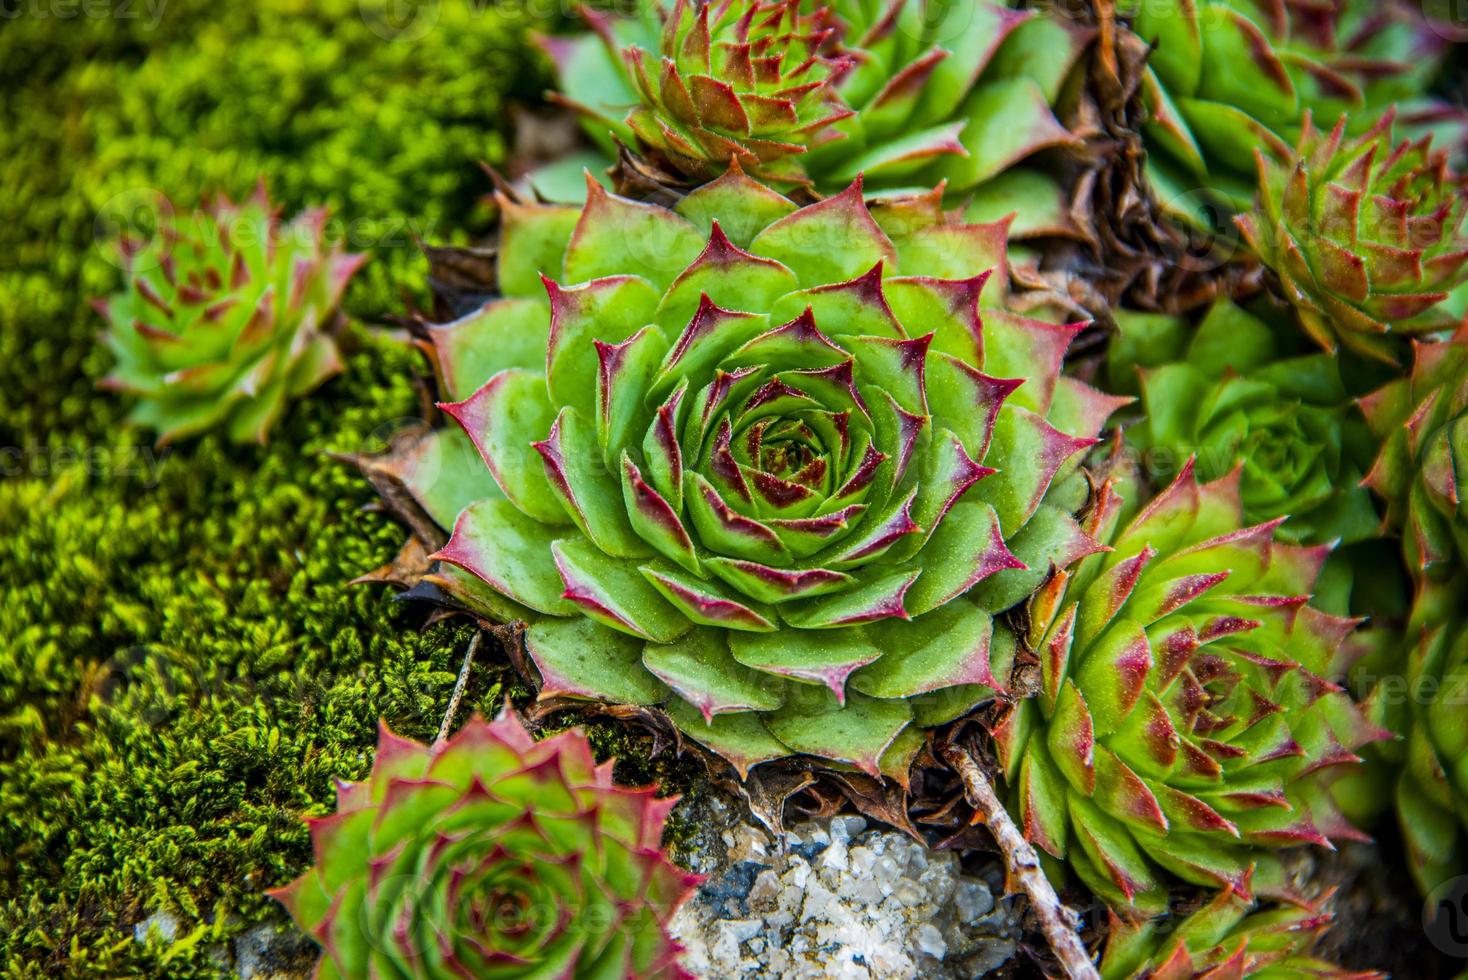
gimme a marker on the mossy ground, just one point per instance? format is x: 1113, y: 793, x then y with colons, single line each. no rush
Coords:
x: 183, y: 667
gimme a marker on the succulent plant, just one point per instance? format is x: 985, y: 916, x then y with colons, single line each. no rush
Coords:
x: 225, y: 316
x: 1229, y: 399
x: 1421, y: 422
x: 490, y: 855
x: 1417, y: 691
x: 1227, y: 937
x: 1229, y: 76
x: 770, y: 466
x: 907, y: 93
x: 1365, y: 235
x: 1187, y: 721
x: 709, y: 83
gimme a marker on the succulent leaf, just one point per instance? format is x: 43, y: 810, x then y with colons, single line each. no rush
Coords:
x: 226, y: 315
x: 489, y: 854
x: 1230, y: 936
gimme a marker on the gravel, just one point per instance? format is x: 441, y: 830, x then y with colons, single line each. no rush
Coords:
x: 841, y: 900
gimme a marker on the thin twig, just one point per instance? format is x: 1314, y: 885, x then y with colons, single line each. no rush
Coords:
x: 448, y: 717
x: 1058, y: 922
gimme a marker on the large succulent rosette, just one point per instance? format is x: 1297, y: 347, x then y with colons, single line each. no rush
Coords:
x: 771, y: 467
x: 1365, y: 235
x: 490, y: 855
x: 225, y: 315
x: 906, y: 92
x: 1228, y: 76
x: 1228, y: 937
x: 1421, y: 421
x: 1228, y: 399
x: 1187, y: 721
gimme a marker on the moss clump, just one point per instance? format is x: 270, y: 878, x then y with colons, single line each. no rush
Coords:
x: 104, y: 116
x: 185, y: 670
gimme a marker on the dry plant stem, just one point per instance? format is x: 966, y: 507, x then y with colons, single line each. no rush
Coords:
x: 1057, y: 921
x: 448, y: 717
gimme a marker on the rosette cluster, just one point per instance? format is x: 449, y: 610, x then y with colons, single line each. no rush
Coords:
x: 1187, y: 721
x: 772, y: 467
x: 1365, y: 235
x: 907, y: 92
x: 226, y: 314
x: 1226, y: 77
x: 490, y: 855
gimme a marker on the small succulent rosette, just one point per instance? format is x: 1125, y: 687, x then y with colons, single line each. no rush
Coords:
x: 490, y: 855
x: 1223, y: 394
x: 1227, y: 77
x: 1365, y: 235
x: 774, y: 468
x: 1421, y: 472
x: 1187, y: 723
x: 1228, y: 937
x: 226, y: 315
x: 908, y: 93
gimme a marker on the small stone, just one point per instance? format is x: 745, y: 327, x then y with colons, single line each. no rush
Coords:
x: 886, y: 871
x: 864, y: 890
x: 833, y: 859
x: 972, y: 899
x: 863, y: 860
x: 163, y: 924
x: 741, y: 929
x: 817, y: 902
x: 908, y: 893
x: 764, y: 894
x: 930, y: 941
x: 845, y: 828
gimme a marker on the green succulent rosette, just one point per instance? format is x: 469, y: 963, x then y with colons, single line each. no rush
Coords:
x: 1365, y: 235
x: 1228, y: 76
x: 1229, y: 937
x: 1222, y: 394
x: 906, y: 92
x: 226, y: 314
x: 1417, y: 684
x: 490, y: 855
x: 704, y: 84
x: 1421, y: 472
x: 774, y: 468
x: 1187, y: 722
